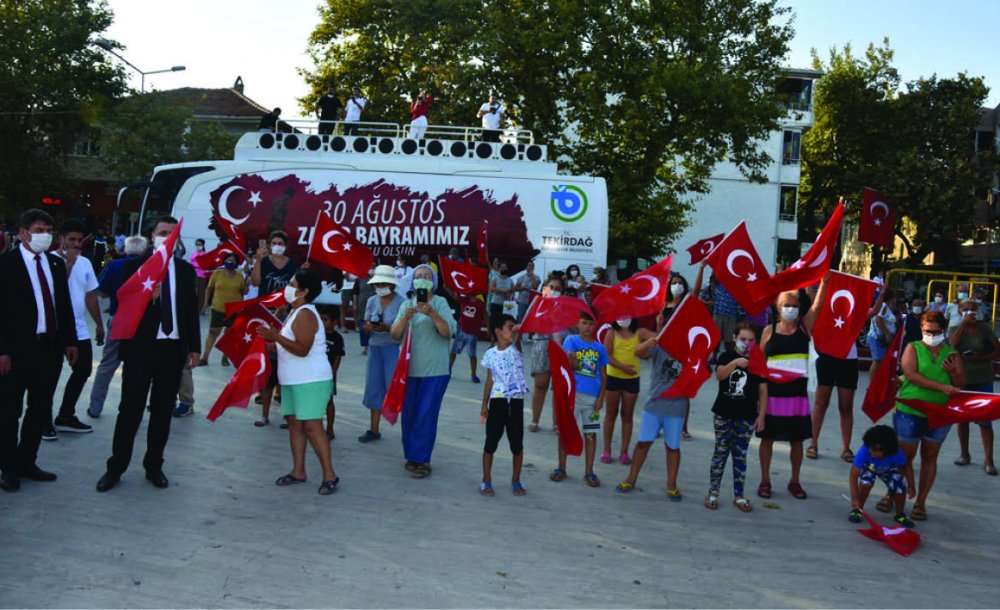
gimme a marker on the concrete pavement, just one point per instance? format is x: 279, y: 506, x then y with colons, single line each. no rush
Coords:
x: 224, y: 535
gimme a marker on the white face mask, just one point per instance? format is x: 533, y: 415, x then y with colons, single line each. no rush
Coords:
x: 290, y: 293
x: 743, y: 346
x: 383, y: 291
x: 962, y: 296
x: 40, y: 242
x: 677, y: 289
x: 918, y: 310
x: 789, y: 314
x: 939, y: 300
x: 555, y: 293
x: 277, y: 250
x: 624, y: 322
x: 159, y: 240
x: 969, y: 314
x: 933, y: 340
x: 574, y: 273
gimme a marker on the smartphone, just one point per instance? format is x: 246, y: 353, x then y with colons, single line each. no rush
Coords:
x: 422, y: 295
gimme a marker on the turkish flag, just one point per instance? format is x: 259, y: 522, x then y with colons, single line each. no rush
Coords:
x: 392, y: 404
x: 547, y: 315
x: 881, y: 393
x: 564, y: 399
x: 214, y: 258
x: 809, y: 269
x: 464, y: 278
x: 736, y: 265
x: 690, y: 336
x: 482, y: 243
x: 641, y: 295
x: 961, y: 408
x: 842, y: 317
x: 231, y: 234
x: 250, y: 378
x: 235, y: 342
x: 602, y: 332
x: 900, y: 539
x: 273, y: 300
x: 136, y: 293
x: 758, y: 367
x: 878, y: 219
x: 703, y: 247
x: 334, y: 246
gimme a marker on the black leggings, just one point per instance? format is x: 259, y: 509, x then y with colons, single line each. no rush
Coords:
x: 509, y: 414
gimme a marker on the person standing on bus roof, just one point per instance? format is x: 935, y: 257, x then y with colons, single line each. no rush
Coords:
x: 491, y: 114
x: 328, y: 111
x: 269, y: 122
x: 353, y: 108
x: 418, y: 114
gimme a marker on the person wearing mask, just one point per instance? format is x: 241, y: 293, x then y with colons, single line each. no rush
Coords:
x: 363, y: 290
x: 501, y: 296
x: 201, y: 281
x: 306, y: 379
x: 575, y: 279
x: 83, y: 298
x: 883, y: 328
x: 938, y: 303
x: 911, y: 321
x: 167, y: 339
x: 380, y: 311
x: 430, y: 321
x: 36, y: 329
x: 419, y: 110
x: 526, y: 286
x: 272, y: 268
x: 491, y: 114
x: 932, y: 372
x: 269, y: 122
x: 111, y: 279
x: 977, y: 344
x: 225, y: 286
x: 404, y: 277
x: 952, y: 312
x: 328, y: 111
x: 536, y: 358
x: 353, y: 108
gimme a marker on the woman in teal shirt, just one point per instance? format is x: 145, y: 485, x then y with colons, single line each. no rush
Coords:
x: 431, y: 324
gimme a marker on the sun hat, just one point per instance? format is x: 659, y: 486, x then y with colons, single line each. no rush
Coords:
x: 384, y: 274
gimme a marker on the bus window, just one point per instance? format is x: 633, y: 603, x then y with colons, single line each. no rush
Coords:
x: 162, y: 191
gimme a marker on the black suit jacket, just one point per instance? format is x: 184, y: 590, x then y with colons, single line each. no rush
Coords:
x: 18, y: 311
x: 188, y: 322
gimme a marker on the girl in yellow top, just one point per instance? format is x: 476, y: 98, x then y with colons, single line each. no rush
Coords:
x: 623, y: 383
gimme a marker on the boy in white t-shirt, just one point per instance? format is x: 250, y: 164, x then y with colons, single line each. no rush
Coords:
x: 503, y: 404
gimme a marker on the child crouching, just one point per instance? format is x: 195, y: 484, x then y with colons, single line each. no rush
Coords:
x: 881, y: 458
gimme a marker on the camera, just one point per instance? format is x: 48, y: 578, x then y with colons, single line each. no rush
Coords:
x: 376, y: 319
x: 422, y: 295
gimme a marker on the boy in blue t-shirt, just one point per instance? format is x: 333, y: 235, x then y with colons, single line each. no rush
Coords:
x: 880, y: 457
x: 589, y: 360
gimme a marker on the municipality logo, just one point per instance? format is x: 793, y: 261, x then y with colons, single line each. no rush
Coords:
x: 569, y: 203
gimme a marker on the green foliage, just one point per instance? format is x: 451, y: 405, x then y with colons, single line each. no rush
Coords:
x: 912, y: 142
x: 650, y: 95
x: 53, y: 85
x: 208, y: 140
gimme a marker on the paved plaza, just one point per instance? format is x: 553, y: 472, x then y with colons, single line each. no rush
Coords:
x: 224, y: 535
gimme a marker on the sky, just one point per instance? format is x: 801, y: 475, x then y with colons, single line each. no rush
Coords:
x: 265, y: 41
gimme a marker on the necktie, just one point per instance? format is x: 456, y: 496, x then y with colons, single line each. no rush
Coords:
x: 50, y: 314
x: 166, y: 310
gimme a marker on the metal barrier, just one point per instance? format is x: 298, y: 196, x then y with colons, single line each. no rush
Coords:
x: 395, y: 130
x: 951, y: 279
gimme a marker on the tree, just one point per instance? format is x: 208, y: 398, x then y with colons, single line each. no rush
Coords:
x: 650, y: 95
x: 912, y: 142
x: 53, y: 85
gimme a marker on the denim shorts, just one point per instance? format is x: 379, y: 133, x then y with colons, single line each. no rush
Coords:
x: 911, y: 429
x: 671, y: 426
x: 877, y: 348
x: 463, y: 341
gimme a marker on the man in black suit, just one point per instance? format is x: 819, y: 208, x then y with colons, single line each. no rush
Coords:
x: 36, y: 328
x: 168, y: 339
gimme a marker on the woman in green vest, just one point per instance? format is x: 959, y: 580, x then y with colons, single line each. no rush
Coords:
x: 933, y: 371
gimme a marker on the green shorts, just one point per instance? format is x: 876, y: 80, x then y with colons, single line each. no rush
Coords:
x: 306, y: 401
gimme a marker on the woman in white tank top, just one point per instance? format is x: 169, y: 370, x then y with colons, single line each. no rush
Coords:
x: 305, y: 377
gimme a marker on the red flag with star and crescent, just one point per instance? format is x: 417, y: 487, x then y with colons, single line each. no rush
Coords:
x: 250, y: 378
x: 236, y: 341
x: 136, y: 293
x: 880, y: 396
x: 564, y: 399
x: 844, y: 314
x: 643, y: 294
x: 809, y: 269
x: 482, y: 243
x: 900, y: 539
x: 703, y: 247
x: 547, y: 315
x: 213, y: 259
x: 878, y: 219
x: 274, y: 300
x: 690, y: 337
x: 463, y: 278
x: 961, y: 408
x: 334, y: 246
x: 395, y: 396
x: 736, y: 265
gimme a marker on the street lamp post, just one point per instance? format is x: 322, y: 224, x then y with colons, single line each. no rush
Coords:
x: 108, y: 46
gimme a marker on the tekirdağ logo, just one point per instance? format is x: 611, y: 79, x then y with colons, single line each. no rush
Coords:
x: 569, y: 203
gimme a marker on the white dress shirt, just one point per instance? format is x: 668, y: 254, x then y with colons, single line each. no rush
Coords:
x: 29, y: 262
x: 173, y: 303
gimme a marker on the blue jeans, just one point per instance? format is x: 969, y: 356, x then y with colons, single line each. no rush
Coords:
x: 105, y: 371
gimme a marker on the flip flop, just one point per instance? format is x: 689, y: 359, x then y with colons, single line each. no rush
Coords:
x: 963, y: 460
x: 990, y: 469
x: 518, y: 489
x: 591, y: 480
x: 797, y: 492
x: 764, y: 490
x: 329, y: 486
x: 558, y: 475
x: 288, y: 479
x: 847, y: 456
x: 919, y: 513
x: 712, y: 501
x: 422, y: 471
x: 486, y: 489
x: 884, y: 505
x: 743, y: 504
x: 674, y: 495
x: 624, y: 487
x: 812, y: 452
x: 855, y: 516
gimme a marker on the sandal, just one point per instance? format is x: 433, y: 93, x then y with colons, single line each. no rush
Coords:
x: 711, y: 501
x: 410, y: 466
x: 533, y: 427
x: 884, y: 505
x: 902, y: 520
x: 764, y: 490
x: 624, y: 458
x: 812, y: 452
x: 855, y: 515
x: 288, y: 479
x: 422, y: 471
x: 686, y: 435
x: 963, y: 460
x: 847, y: 456
x: 624, y: 487
x: 674, y: 495
x: 743, y: 504
x: 990, y: 469
x: 486, y: 489
x: 558, y: 475
x: 919, y: 513
x: 329, y: 486
x: 284, y: 425
x: 517, y: 489
x: 330, y: 435
x: 606, y: 457
x: 797, y: 492
x: 260, y: 423
x: 591, y: 480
